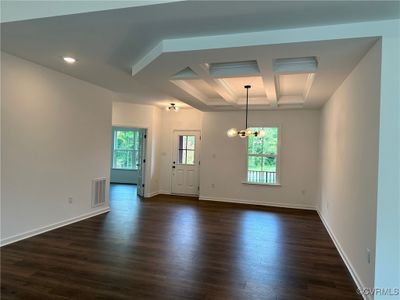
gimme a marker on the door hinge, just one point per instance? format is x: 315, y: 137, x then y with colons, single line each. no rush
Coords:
x: 200, y: 138
x: 145, y: 136
x: 143, y: 185
x: 144, y: 161
x: 199, y: 162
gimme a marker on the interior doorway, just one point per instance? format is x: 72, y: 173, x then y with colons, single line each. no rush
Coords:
x: 185, y: 162
x: 129, y: 157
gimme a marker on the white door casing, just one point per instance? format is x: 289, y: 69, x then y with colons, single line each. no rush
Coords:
x: 142, y: 162
x: 185, y: 162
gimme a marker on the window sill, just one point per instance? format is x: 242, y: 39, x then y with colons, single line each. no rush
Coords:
x: 118, y: 169
x: 259, y: 183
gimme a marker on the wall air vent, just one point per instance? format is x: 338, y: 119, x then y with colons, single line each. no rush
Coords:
x: 295, y: 65
x: 234, y: 69
x: 99, y: 191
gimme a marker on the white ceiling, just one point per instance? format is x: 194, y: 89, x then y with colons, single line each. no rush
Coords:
x: 271, y: 89
x: 108, y: 43
x: 12, y: 10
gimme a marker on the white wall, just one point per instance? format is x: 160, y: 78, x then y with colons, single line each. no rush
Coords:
x: 142, y: 116
x: 55, y: 138
x: 387, y: 262
x: 224, y: 159
x: 349, y: 164
x: 185, y: 119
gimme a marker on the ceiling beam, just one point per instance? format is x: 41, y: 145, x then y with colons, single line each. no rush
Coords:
x: 270, y: 85
x: 307, y: 87
x: 218, y: 85
x: 191, y: 90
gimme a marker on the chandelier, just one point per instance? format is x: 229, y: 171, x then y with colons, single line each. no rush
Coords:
x: 172, y: 107
x: 247, y: 131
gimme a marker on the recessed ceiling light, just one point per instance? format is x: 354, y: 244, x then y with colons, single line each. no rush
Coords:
x: 69, y: 60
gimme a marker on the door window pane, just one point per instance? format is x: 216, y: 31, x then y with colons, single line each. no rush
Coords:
x: 190, y: 157
x: 191, y: 140
x: 186, y: 150
x: 182, y: 157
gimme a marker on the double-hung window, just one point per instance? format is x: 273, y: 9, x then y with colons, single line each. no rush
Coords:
x: 263, y: 157
x: 125, y: 148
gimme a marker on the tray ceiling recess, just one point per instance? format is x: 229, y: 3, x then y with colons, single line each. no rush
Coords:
x: 282, y: 76
x: 224, y: 81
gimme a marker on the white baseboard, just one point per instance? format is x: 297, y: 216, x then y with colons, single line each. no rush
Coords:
x: 242, y: 201
x: 151, y: 194
x: 345, y: 259
x: 164, y: 192
x: 30, y: 233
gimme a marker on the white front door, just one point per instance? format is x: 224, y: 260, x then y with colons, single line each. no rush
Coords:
x: 185, y: 163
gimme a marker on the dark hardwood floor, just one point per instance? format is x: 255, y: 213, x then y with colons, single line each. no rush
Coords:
x: 179, y: 248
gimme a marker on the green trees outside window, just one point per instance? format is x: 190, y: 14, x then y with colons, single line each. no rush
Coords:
x: 125, y: 151
x: 262, y: 157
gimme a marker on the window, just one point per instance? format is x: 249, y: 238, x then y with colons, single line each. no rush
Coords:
x: 262, y: 159
x: 125, y: 149
x: 186, y: 149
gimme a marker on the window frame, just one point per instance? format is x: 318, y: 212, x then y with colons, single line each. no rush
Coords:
x: 278, y: 157
x: 134, y: 151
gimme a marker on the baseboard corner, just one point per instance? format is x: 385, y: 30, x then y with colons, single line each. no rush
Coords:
x: 342, y: 253
x: 43, y: 229
x: 242, y: 201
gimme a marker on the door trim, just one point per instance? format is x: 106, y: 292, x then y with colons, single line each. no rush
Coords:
x: 147, y: 169
x: 198, y: 150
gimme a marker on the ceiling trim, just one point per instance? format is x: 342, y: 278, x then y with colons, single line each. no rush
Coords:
x: 263, y: 38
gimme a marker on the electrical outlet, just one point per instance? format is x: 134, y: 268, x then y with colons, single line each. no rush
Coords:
x: 70, y: 200
x: 368, y: 255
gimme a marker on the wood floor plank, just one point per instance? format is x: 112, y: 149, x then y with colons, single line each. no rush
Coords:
x: 171, y: 247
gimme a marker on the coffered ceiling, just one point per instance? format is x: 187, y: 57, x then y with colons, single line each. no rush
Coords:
x: 295, y: 75
x: 155, y: 54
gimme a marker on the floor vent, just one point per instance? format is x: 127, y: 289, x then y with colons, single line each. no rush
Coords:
x: 98, y: 192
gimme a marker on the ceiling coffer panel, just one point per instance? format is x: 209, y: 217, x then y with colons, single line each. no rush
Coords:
x: 234, y: 69
x: 295, y: 65
x: 236, y: 84
x: 292, y: 84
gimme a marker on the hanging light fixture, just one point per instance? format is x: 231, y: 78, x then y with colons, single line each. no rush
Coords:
x: 247, y: 131
x: 172, y: 107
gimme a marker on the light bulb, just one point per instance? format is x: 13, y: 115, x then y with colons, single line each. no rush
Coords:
x: 167, y: 108
x: 69, y: 60
x: 249, y: 132
x: 261, y: 133
x: 232, y: 132
x: 176, y: 108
